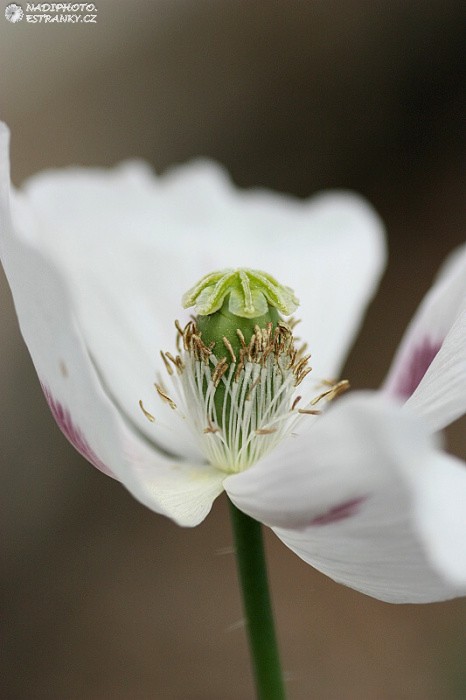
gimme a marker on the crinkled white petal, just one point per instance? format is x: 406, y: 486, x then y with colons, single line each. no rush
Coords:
x: 130, y: 244
x: 180, y: 490
x: 429, y: 369
x: 349, y: 497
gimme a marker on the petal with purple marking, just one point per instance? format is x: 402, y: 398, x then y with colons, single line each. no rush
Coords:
x: 346, y: 497
x: 181, y: 490
x: 417, y: 364
x: 429, y: 369
x: 440, y: 397
x: 72, y: 432
x: 347, y: 509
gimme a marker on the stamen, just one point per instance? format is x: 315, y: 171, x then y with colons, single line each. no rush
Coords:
x: 219, y: 371
x: 302, y: 375
x: 164, y: 396
x: 229, y: 347
x: 336, y: 390
x: 168, y: 366
x: 340, y: 388
x: 148, y: 415
x: 302, y: 363
x: 241, y: 338
x: 174, y: 360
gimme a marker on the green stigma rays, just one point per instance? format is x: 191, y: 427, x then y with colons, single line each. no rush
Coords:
x: 250, y: 294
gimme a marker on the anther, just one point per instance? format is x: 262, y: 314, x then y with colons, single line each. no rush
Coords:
x: 336, y: 390
x: 302, y: 375
x: 164, y: 396
x: 168, y: 366
x: 148, y: 415
x: 172, y: 359
x: 301, y: 364
x: 219, y: 371
x: 229, y: 347
x: 241, y: 337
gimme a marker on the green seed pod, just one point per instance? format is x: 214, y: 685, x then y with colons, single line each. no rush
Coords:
x: 226, y: 330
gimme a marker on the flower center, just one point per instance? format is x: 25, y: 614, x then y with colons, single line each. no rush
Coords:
x: 236, y: 374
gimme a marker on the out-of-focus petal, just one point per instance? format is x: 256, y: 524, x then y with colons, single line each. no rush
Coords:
x: 345, y: 498
x: 131, y: 244
x: 71, y: 385
x: 440, y: 510
x: 440, y: 397
x: 429, y: 369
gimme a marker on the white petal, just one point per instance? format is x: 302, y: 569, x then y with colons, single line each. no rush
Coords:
x: 84, y: 412
x: 441, y: 513
x: 345, y: 498
x: 430, y: 365
x: 103, y: 231
x: 131, y: 244
x: 181, y: 490
x: 440, y: 397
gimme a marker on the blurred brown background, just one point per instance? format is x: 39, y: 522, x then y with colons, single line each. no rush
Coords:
x: 102, y: 598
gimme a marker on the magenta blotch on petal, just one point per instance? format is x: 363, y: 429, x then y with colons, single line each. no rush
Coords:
x: 72, y: 432
x: 340, y: 512
x: 416, y: 366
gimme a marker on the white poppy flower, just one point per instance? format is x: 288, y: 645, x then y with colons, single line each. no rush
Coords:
x: 98, y: 261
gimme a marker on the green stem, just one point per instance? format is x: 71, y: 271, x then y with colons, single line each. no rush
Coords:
x: 257, y: 606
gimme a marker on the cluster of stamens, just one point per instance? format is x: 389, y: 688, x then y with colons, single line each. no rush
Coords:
x: 266, y: 342
x: 242, y: 405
